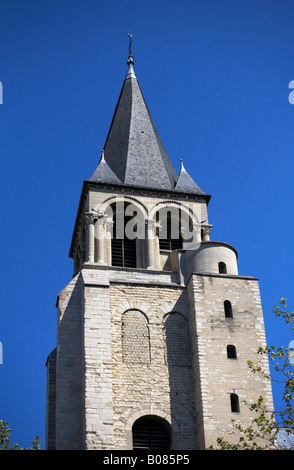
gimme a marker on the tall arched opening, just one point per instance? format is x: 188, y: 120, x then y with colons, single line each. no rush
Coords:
x: 151, y: 433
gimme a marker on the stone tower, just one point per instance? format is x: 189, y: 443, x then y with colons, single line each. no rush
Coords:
x: 156, y: 326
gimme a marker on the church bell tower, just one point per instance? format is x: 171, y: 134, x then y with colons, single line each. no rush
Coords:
x: 156, y: 326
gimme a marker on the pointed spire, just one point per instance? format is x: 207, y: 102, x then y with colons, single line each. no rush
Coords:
x: 133, y: 149
x: 133, y: 152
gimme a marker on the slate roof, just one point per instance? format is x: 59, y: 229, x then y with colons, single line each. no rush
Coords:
x: 186, y: 184
x: 133, y: 152
x: 104, y: 173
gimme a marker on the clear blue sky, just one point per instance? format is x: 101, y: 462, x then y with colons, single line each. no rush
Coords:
x: 215, y: 75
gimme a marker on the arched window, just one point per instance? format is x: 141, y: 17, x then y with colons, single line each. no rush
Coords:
x: 231, y: 351
x: 235, y: 408
x: 151, y: 433
x: 222, y: 268
x: 135, y: 338
x: 228, y: 309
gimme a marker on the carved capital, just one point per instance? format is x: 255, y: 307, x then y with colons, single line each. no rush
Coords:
x: 206, y: 229
x: 151, y: 227
x: 90, y: 218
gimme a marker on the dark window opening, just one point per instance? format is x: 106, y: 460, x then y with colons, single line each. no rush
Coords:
x: 123, y: 253
x: 123, y: 250
x: 222, y: 268
x: 231, y: 351
x: 235, y: 408
x: 150, y: 433
x: 170, y: 238
x: 228, y: 309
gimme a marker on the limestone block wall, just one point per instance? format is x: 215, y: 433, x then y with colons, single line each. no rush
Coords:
x: 132, y: 343
x: 156, y: 377
x: 97, y: 369
x: 220, y: 376
x: 69, y: 400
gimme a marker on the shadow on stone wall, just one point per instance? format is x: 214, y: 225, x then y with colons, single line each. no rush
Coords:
x: 181, y: 380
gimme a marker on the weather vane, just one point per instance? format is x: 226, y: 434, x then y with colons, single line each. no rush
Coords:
x: 130, y: 42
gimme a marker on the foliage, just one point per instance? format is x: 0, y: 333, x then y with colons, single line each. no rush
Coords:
x: 5, y: 443
x: 263, y: 432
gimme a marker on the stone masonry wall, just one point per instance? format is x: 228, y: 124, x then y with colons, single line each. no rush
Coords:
x: 132, y: 343
x: 68, y: 368
x: 160, y: 385
x: 212, y: 331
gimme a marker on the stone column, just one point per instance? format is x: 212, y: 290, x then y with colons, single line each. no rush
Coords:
x: 100, y: 239
x: 150, y: 243
x: 156, y: 248
x: 89, y: 221
x: 206, y: 232
x: 107, y: 240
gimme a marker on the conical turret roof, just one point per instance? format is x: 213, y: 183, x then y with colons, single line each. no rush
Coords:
x: 104, y: 173
x: 186, y: 184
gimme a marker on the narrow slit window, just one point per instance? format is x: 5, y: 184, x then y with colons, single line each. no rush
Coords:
x: 222, y: 268
x: 231, y: 351
x: 235, y: 407
x: 228, y: 309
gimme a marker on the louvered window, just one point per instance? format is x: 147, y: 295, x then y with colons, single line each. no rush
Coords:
x: 123, y: 250
x: 150, y: 434
x: 168, y: 240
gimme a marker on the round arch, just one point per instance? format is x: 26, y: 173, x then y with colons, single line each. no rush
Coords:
x: 156, y: 414
x: 178, y: 224
x: 102, y: 208
x: 151, y: 432
x: 135, y: 309
x: 168, y: 204
x: 125, y: 225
